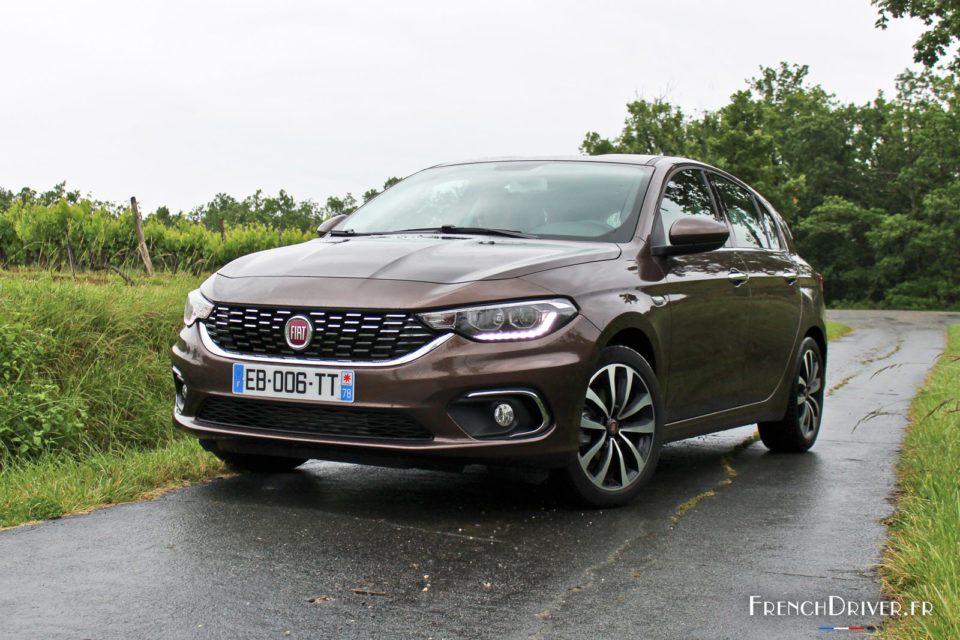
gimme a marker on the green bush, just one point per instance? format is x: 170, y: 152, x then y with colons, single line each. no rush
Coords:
x: 35, y: 413
x: 97, y: 374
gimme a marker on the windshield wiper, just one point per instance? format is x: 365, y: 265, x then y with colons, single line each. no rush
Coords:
x: 345, y: 232
x: 450, y: 228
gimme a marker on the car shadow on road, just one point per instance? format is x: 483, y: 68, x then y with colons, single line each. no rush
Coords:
x: 491, y: 494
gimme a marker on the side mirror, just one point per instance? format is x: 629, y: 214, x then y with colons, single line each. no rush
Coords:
x: 330, y: 223
x: 693, y: 234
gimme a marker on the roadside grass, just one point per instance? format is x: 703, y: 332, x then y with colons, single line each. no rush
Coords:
x: 86, y: 392
x: 86, y: 364
x: 837, y: 330
x: 57, y: 485
x: 921, y: 561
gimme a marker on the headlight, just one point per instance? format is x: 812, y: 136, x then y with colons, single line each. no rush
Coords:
x: 508, y: 321
x: 197, y: 308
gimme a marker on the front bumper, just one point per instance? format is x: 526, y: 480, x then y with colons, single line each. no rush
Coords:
x: 555, y: 368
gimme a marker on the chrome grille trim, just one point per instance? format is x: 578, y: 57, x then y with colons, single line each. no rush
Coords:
x: 212, y: 347
x: 341, y: 335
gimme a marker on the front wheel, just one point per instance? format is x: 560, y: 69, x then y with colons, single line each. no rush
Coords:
x: 620, y: 433
x: 799, y: 427
x: 252, y: 463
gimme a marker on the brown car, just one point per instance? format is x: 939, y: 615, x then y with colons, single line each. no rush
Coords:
x: 567, y: 313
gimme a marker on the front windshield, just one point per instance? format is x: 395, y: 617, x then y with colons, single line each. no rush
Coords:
x: 572, y: 200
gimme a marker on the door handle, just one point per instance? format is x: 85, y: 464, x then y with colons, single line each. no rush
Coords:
x: 790, y: 276
x: 737, y: 277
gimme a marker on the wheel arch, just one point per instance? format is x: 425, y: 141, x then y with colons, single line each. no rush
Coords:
x: 636, y: 332
x: 820, y: 337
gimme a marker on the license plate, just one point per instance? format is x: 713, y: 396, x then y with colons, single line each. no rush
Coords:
x: 269, y: 381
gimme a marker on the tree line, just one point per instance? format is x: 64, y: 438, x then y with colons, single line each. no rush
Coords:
x: 871, y: 191
x: 48, y: 229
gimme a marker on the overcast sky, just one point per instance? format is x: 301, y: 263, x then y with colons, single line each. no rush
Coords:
x: 176, y: 101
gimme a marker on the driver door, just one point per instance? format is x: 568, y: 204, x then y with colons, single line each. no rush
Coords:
x: 708, y: 296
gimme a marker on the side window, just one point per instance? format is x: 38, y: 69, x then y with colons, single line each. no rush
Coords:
x: 748, y: 229
x: 770, y: 226
x: 685, y: 195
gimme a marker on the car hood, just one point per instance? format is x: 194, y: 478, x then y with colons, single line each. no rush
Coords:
x: 438, y: 259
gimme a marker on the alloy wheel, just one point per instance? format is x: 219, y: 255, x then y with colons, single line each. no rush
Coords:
x: 809, y: 397
x: 617, y: 427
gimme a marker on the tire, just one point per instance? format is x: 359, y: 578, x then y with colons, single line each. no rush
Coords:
x: 252, y: 463
x: 620, y: 433
x: 798, y: 429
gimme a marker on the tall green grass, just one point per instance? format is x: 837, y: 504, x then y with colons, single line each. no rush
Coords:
x: 922, y: 558
x: 86, y: 392
x: 57, y: 484
x: 84, y: 366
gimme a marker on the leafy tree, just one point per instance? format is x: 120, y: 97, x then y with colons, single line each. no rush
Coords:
x: 871, y: 191
x: 337, y: 206
x: 655, y: 127
x: 162, y: 215
x: 834, y: 239
x: 370, y: 194
x: 941, y: 16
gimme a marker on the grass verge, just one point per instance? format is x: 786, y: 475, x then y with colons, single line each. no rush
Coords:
x: 86, y: 393
x: 836, y: 330
x: 922, y: 558
x: 56, y: 485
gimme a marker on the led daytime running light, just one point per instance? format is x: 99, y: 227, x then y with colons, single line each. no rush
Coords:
x: 505, y: 321
x: 529, y: 334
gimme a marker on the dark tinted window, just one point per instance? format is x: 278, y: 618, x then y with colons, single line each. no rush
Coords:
x: 770, y: 225
x: 685, y: 195
x: 748, y: 230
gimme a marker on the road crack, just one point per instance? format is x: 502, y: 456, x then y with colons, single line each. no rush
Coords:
x: 590, y: 575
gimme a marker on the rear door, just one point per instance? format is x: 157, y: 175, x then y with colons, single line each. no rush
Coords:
x: 774, y: 318
x: 708, y: 300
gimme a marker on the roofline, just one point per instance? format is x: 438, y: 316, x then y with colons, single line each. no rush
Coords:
x: 609, y: 158
x: 619, y: 158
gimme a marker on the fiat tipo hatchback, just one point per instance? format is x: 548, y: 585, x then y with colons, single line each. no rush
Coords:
x: 568, y: 313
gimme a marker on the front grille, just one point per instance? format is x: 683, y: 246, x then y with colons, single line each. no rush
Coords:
x: 320, y: 420
x: 337, y: 334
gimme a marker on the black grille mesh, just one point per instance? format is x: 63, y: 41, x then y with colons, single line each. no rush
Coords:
x: 337, y: 334
x: 321, y: 420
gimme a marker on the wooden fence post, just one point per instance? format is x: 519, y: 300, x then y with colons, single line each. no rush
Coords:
x: 66, y: 236
x: 138, y: 225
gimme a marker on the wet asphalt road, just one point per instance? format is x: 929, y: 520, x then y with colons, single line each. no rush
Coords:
x: 485, y: 555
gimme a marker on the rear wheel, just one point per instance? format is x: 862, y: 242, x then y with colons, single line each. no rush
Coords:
x: 799, y: 427
x: 253, y: 463
x: 621, y: 430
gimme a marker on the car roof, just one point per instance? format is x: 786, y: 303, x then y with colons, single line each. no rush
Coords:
x: 620, y: 158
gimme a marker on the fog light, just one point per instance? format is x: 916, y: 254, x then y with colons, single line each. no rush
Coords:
x: 503, y: 414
